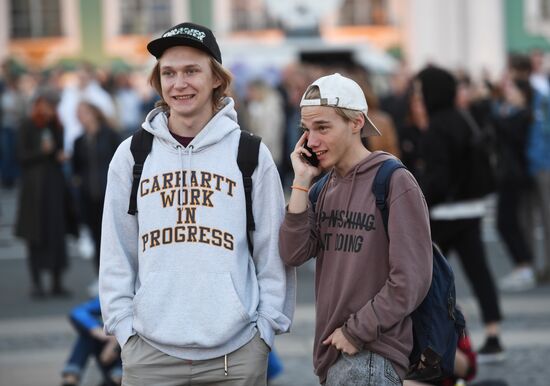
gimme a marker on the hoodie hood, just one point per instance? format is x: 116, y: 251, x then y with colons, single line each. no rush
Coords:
x: 438, y: 89
x: 366, y: 165
x: 222, y: 123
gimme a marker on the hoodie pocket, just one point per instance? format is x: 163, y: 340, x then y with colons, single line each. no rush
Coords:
x: 189, y: 309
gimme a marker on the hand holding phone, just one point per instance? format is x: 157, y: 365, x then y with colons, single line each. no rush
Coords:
x: 312, y: 160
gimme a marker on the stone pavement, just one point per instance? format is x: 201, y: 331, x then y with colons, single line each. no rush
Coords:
x: 35, y: 337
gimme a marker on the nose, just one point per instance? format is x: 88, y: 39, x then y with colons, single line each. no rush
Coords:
x: 181, y: 82
x: 313, y: 139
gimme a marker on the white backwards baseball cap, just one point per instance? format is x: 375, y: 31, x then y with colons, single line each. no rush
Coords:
x: 338, y: 91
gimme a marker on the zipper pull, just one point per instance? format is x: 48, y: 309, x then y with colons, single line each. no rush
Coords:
x: 451, y: 308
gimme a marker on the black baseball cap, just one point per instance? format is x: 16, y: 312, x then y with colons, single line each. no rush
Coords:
x: 186, y: 34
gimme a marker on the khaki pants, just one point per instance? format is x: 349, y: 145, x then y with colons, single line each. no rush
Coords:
x: 144, y: 365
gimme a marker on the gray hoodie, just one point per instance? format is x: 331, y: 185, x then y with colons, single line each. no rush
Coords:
x: 179, y: 273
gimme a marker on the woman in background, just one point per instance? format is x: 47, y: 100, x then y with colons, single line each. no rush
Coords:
x: 92, y: 154
x: 41, y: 219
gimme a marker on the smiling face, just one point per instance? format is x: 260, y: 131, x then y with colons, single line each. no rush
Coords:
x: 334, y: 139
x: 187, y: 83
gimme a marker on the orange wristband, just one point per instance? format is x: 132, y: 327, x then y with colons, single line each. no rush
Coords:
x: 300, y: 188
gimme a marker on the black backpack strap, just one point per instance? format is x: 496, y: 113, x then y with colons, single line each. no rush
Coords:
x: 381, y: 185
x: 141, y: 144
x: 247, y: 159
x: 316, y: 189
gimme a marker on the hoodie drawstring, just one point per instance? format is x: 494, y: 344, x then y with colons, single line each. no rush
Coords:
x: 225, y: 365
x: 189, y: 150
x: 182, y: 168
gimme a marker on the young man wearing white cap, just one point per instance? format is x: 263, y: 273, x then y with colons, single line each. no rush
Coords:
x: 188, y: 301
x: 365, y: 286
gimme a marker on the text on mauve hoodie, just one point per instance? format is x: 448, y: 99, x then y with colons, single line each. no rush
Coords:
x: 179, y: 273
x: 363, y: 283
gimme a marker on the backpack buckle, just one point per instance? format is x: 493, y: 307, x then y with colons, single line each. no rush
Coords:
x: 136, y: 171
x: 247, y: 183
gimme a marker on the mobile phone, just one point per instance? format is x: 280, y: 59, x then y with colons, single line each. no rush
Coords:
x: 313, y: 160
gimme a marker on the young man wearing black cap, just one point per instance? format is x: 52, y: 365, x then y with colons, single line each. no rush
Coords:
x: 179, y: 287
x: 366, y: 286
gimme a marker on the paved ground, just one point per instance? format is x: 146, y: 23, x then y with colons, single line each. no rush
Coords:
x: 35, y: 337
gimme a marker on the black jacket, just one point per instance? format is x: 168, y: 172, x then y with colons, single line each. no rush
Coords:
x: 445, y: 151
x: 445, y: 147
x: 91, y: 160
x: 512, y: 132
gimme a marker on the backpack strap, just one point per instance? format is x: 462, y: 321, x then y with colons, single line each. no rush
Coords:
x: 247, y: 159
x: 315, y: 190
x: 141, y: 144
x: 381, y: 185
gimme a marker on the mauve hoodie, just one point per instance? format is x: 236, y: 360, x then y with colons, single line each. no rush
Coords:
x: 363, y: 283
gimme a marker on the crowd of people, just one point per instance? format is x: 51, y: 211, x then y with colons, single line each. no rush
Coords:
x: 63, y: 146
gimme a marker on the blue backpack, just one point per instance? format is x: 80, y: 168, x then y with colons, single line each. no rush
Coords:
x: 437, y: 322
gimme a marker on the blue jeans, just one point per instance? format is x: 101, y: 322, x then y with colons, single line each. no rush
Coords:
x: 363, y: 369
x: 85, y: 346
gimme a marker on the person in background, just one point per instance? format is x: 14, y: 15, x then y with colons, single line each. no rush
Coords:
x: 12, y: 106
x: 396, y: 101
x: 86, y: 86
x: 91, y: 340
x: 414, y: 127
x: 83, y: 84
x: 512, y: 117
x: 264, y: 101
x: 389, y: 140
x: 128, y: 104
x: 44, y: 202
x: 455, y: 216
x: 93, y: 152
x: 538, y: 156
x: 294, y: 80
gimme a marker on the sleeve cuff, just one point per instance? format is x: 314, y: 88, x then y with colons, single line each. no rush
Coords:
x: 355, y: 342
x: 266, y: 331
x: 124, y: 331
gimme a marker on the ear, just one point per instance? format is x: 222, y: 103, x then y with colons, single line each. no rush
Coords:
x: 357, y: 124
x: 216, y: 83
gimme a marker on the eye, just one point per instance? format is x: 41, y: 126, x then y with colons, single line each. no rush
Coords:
x: 167, y: 73
x: 323, y: 129
x: 303, y: 129
x: 191, y: 71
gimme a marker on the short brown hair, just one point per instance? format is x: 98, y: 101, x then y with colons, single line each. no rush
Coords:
x: 219, y: 93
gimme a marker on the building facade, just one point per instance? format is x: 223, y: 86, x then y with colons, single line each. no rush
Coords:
x: 467, y: 34
x: 42, y: 32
